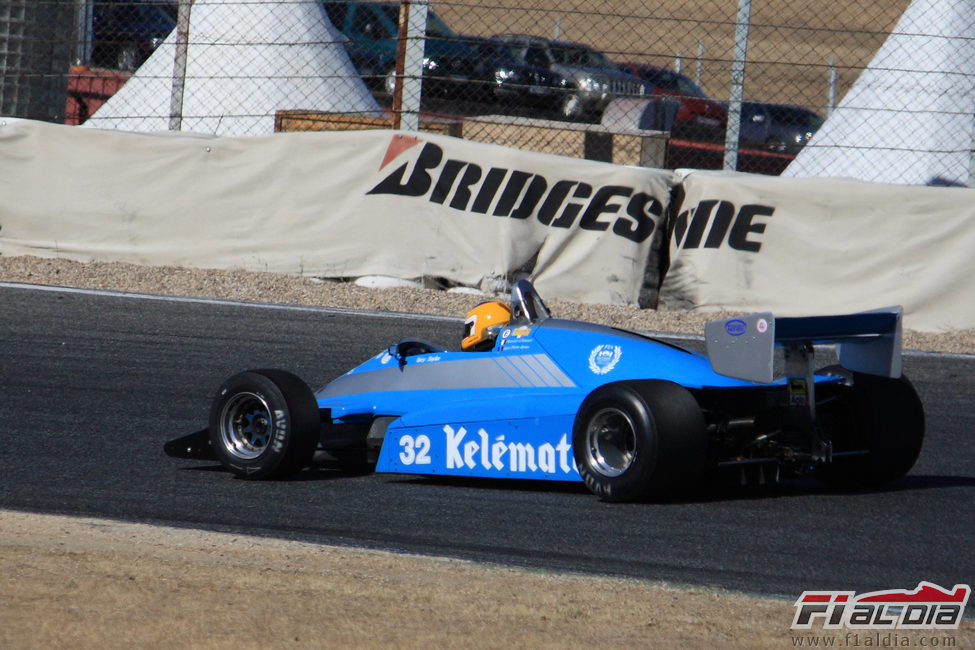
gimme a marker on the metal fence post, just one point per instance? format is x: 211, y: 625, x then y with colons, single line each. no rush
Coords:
x: 409, y: 65
x: 831, y: 89
x: 737, y: 85
x: 971, y: 157
x: 84, y: 18
x: 416, y: 33
x: 700, y: 62
x: 179, y: 65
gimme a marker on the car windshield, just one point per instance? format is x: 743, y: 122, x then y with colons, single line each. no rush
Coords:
x: 672, y: 81
x: 160, y: 13
x: 147, y: 15
x: 687, y: 87
x: 796, y: 116
x: 497, y: 52
x: 436, y: 28
x: 580, y: 56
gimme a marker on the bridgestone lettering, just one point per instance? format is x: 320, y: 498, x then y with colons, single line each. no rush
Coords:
x: 712, y: 223
x: 516, y: 194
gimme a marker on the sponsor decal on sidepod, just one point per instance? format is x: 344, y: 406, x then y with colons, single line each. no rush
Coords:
x: 459, y: 451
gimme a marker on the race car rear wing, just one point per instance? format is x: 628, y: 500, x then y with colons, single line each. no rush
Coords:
x: 744, y: 347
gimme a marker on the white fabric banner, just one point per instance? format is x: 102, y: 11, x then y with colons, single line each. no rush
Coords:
x: 908, y: 117
x: 338, y: 204
x: 814, y: 246
x: 243, y: 62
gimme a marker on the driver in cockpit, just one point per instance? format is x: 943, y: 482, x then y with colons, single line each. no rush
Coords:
x: 482, y: 325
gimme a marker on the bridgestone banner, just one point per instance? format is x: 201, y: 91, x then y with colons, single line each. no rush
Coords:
x: 340, y: 204
x: 349, y: 204
x: 812, y: 246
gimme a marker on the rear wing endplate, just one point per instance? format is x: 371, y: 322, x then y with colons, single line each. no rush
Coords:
x: 744, y: 347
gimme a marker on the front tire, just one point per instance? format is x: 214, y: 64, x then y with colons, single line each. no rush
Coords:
x: 264, y: 424
x: 639, y: 439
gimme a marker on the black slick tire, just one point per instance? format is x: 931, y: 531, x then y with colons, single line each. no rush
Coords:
x: 887, y: 421
x: 635, y: 440
x: 264, y: 424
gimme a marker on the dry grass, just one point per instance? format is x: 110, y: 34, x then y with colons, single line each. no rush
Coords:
x: 85, y: 583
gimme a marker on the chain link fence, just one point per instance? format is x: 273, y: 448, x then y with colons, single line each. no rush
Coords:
x: 733, y: 83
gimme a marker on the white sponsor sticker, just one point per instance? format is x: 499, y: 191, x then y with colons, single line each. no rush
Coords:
x: 604, y: 358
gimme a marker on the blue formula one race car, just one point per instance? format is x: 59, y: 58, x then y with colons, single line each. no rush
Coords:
x: 631, y: 416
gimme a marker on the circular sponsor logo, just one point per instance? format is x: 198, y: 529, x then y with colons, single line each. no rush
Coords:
x: 762, y: 325
x: 604, y: 358
x: 735, y: 327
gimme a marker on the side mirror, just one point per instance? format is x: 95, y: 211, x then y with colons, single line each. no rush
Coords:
x: 409, y: 348
x: 399, y: 351
x: 526, y: 304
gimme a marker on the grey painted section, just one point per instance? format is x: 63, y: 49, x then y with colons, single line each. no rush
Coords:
x: 515, y: 371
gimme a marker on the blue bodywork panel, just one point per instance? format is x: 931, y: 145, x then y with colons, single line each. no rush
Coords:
x: 507, y: 412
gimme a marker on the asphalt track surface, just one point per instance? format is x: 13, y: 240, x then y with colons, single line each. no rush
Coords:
x: 93, y: 384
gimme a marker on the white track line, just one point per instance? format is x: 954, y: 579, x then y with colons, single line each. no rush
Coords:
x: 226, y: 302
x: 349, y: 311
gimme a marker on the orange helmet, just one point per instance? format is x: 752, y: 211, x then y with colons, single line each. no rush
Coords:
x: 482, y: 324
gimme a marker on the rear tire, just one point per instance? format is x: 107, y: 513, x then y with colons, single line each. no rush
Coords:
x: 888, y: 423
x: 639, y: 439
x: 264, y: 424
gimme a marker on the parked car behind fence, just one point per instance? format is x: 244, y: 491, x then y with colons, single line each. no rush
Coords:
x: 777, y: 127
x: 593, y: 81
x: 698, y: 117
x: 369, y: 65
x: 502, y: 75
x: 374, y: 27
x: 126, y: 32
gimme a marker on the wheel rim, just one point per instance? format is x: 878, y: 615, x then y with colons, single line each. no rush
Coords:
x: 611, y: 441
x: 571, y: 107
x: 246, y: 425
